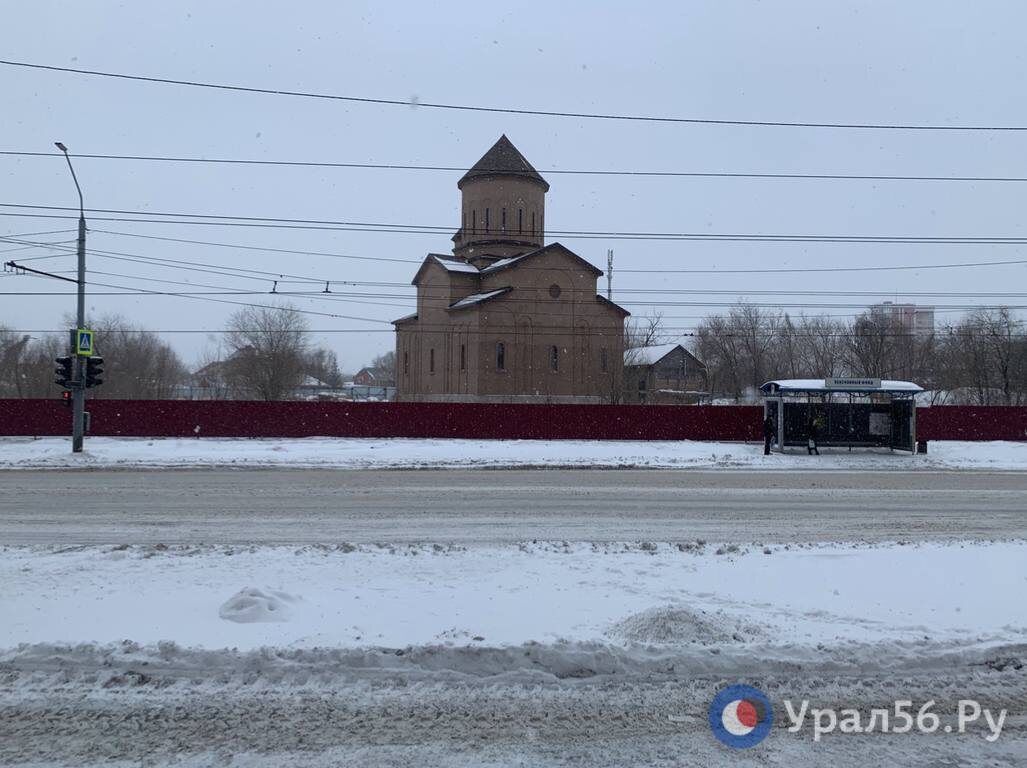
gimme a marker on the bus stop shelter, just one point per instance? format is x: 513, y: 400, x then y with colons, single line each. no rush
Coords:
x: 853, y: 412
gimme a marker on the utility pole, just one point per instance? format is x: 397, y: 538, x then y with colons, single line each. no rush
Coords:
x: 609, y: 274
x: 78, y: 412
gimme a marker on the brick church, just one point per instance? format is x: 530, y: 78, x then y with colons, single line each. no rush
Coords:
x: 506, y: 318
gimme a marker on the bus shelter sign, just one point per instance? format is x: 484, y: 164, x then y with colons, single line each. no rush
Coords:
x: 835, y: 383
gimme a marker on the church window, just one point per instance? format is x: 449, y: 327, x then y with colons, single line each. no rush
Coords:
x: 603, y: 363
x: 500, y: 356
x: 520, y: 219
x: 463, y: 357
x: 486, y: 219
x: 554, y: 291
x: 533, y: 222
x: 504, y: 219
x: 406, y: 362
x: 431, y: 361
x: 554, y: 358
x: 474, y: 221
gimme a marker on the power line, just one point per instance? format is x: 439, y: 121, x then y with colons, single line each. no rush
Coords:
x: 277, y: 279
x: 679, y: 271
x: 548, y: 171
x: 276, y: 282
x: 236, y: 220
x: 509, y: 110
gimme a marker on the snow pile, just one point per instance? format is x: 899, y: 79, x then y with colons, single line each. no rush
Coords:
x: 251, y: 605
x: 679, y: 625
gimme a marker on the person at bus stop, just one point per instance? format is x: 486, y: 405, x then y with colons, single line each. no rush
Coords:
x: 768, y: 434
x: 816, y: 426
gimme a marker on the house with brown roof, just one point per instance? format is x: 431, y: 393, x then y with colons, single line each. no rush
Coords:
x: 505, y: 317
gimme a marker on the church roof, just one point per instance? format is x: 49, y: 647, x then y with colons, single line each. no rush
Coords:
x: 518, y: 260
x: 478, y: 298
x: 504, y: 159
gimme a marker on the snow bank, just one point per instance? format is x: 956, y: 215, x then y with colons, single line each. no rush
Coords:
x: 350, y: 453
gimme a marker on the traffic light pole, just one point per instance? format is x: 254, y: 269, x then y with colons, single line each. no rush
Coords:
x: 78, y: 411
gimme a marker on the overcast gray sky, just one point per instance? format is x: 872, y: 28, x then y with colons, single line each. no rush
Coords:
x: 879, y: 62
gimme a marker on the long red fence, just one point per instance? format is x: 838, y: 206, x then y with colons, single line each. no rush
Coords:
x: 234, y: 418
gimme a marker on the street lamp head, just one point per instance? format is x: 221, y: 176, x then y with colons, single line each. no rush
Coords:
x: 60, y: 146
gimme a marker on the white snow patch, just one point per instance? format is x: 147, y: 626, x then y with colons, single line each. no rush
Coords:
x: 395, y: 453
x: 503, y: 596
x: 251, y: 605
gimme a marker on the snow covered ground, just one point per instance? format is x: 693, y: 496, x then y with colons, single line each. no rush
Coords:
x: 539, y: 654
x: 352, y: 453
x: 686, y: 595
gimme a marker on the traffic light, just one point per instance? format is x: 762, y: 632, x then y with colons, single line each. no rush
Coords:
x: 94, y: 370
x: 63, y: 372
x: 66, y: 398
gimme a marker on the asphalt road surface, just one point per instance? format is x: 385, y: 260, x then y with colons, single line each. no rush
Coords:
x: 487, y: 506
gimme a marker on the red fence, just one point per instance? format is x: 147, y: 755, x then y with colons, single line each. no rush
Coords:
x: 237, y: 418
x: 234, y: 418
x: 967, y: 422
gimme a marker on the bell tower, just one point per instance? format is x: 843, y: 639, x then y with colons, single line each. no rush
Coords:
x: 503, y: 207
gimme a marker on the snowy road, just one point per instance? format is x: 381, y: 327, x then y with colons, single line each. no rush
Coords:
x: 532, y: 655
x: 407, y: 618
x: 489, y: 506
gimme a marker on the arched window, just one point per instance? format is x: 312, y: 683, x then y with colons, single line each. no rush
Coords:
x: 554, y: 358
x: 474, y: 221
x: 431, y: 361
x: 486, y: 219
x: 603, y: 364
x: 500, y: 356
x: 504, y: 219
x: 463, y: 357
x: 406, y: 362
x: 520, y: 219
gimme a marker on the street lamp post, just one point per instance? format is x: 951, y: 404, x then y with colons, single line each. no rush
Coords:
x: 78, y: 412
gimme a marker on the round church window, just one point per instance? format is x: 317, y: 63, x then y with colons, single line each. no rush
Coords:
x: 554, y: 291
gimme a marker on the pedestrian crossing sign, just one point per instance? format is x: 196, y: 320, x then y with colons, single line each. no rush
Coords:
x: 84, y: 342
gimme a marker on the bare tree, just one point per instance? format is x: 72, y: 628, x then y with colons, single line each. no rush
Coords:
x: 323, y: 365
x: 644, y: 331
x: 12, y: 350
x: 266, y: 348
x: 137, y: 363
x: 386, y: 363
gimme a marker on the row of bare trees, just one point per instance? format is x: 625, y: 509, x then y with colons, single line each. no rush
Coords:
x: 979, y: 360
x: 265, y: 353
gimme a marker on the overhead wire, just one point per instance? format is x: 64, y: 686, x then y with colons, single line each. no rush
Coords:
x: 507, y: 110
x: 548, y: 171
x: 234, y: 220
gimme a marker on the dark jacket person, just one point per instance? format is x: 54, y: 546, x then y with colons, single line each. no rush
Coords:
x: 768, y: 434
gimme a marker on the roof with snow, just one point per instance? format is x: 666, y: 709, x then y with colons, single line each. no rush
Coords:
x: 453, y: 264
x: 477, y: 298
x: 841, y: 385
x: 648, y: 355
x: 503, y: 159
x: 516, y: 260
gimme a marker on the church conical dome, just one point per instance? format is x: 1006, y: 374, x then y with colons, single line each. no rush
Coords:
x: 503, y: 159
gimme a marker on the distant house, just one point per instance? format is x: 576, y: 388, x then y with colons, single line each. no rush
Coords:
x: 374, y: 377
x: 312, y: 388
x: 667, y: 374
